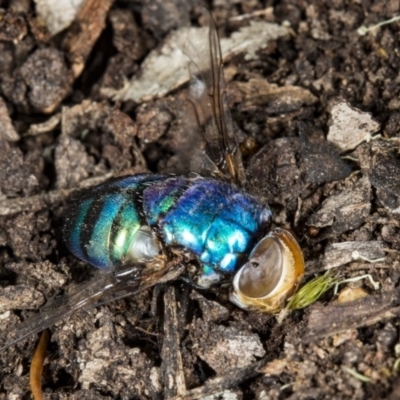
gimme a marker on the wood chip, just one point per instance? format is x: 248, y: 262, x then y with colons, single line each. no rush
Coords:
x: 88, y: 25
x: 172, y: 365
x: 346, y: 210
x: 338, y: 254
x: 350, y: 127
x: 327, y: 320
x: 279, y: 99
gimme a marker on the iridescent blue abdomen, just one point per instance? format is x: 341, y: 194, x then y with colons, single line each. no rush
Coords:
x: 100, y: 227
x: 214, y: 220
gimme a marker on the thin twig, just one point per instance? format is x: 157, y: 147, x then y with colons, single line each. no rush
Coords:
x: 228, y: 380
x: 174, y: 377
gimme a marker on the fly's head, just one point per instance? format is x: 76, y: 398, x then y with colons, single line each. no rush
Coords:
x: 272, y: 273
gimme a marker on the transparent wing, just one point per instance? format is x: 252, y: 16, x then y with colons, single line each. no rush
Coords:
x: 208, y: 98
x: 101, y: 289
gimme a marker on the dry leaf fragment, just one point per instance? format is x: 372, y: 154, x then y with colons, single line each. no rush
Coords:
x: 166, y: 68
x: 350, y: 126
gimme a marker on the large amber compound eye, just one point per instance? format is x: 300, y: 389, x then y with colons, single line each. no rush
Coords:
x: 274, y: 270
x: 263, y: 271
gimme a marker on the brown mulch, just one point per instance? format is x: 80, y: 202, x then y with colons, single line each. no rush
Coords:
x: 60, y: 132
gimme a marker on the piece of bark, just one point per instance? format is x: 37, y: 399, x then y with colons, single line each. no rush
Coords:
x: 325, y: 321
x: 172, y: 366
x: 279, y: 99
x: 346, y: 210
x: 338, y: 254
x: 87, y: 27
x: 379, y: 161
x: 231, y: 378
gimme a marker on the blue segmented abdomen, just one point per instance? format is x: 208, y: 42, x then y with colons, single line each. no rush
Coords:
x: 212, y: 219
x: 100, y: 227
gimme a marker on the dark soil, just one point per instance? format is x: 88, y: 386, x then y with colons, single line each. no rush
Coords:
x: 59, y: 132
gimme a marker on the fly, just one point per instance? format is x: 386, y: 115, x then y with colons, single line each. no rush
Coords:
x: 145, y: 229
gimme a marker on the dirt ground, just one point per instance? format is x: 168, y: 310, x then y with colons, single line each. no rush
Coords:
x: 61, y: 131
